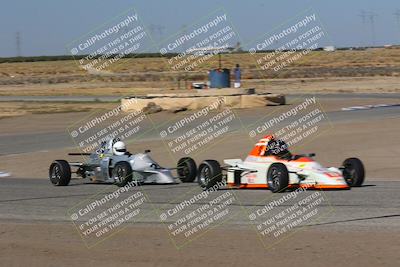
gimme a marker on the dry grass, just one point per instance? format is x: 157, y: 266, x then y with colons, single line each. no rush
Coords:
x: 10, y: 109
x: 370, y: 57
x: 137, y: 76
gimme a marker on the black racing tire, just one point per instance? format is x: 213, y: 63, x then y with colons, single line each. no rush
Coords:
x: 60, y: 173
x: 209, y: 174
x: 353, y: 172
x: 122, y: 173
x: 277, y: 177
x: 187, y: 170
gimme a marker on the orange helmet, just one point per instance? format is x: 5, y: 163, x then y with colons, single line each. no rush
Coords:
x: 265, y: 140
x: 263, y: 143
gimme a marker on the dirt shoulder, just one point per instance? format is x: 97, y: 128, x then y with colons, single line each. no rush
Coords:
x: 23, y: 244
x: 367, y: 84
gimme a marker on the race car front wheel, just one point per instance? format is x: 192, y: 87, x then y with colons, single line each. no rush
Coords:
x: 187, y: 170
x: 353, y: 172
x: 277, y: 177
x: 122, y: 173
x: 60, y: 173
x: 210, y: 174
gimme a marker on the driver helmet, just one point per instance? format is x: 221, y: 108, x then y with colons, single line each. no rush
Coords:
x: 119, y: 148
x: 264, y: 142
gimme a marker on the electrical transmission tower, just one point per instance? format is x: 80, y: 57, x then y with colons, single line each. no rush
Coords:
x: 157, y: 29
x: 160, y: 29
x: 397, y: 16
x: 363, y: 16
x: 371, y: 20
x: 18, y: 43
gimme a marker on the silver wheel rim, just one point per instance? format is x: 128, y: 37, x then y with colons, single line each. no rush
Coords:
x: 350, y: 175
x: 205, y: 175
x: 120, y: 174
x: 274, y: 180
x: 56, y: 173
x: 184, y: 170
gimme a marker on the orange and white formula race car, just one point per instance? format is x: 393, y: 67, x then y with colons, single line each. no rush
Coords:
x: 270, y: 165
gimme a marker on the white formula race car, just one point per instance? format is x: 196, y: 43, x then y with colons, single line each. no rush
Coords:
x: 113, y: 164
x: 280, y: 172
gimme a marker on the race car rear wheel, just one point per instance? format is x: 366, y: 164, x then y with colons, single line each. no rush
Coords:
x: 210, y: 174
x: 187, y: 170
x: 60, y: 173
x: 122, y: 173
x: 277, y: 177
x: 353, y: 172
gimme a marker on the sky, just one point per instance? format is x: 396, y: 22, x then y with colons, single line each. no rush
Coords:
x: 46, y: 27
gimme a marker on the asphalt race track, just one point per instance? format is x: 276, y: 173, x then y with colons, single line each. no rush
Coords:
x: 30, y: 142
x: 376, y: 204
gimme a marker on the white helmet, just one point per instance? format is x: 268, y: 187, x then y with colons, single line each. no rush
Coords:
x: 119, y: 148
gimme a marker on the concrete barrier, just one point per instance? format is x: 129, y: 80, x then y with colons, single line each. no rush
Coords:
x: 182, y: 102
x: 207, y: 92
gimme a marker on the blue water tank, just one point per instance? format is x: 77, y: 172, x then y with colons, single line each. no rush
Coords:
x: 219, y: 78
